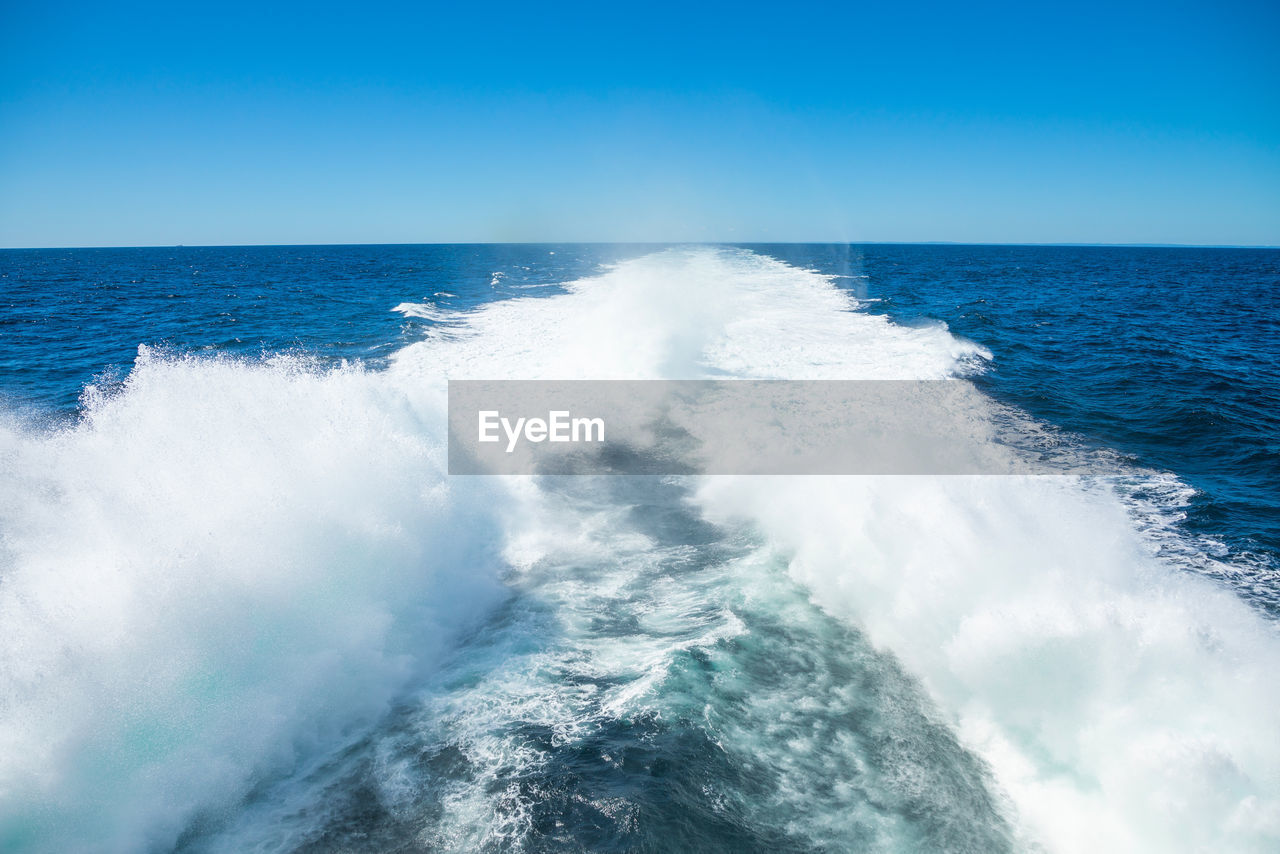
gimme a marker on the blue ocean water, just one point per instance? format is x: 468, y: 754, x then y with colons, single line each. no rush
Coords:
x: 95, y: 306
x: 245, y: 609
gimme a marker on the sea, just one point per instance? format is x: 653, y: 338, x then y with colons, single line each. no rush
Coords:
x: 245, y: 608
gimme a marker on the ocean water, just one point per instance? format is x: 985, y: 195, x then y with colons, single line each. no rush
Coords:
x: 244, y: 608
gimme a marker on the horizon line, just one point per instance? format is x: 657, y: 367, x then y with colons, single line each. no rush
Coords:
x: 1049, y: 244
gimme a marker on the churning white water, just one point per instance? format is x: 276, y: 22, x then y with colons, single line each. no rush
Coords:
x: 234, y: 589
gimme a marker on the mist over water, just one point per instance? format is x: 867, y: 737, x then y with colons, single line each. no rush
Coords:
x: 246, y: 610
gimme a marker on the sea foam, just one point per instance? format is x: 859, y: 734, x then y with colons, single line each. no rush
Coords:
x: 228, y: 570
x: 1123, y: 702
x: 223, y: 569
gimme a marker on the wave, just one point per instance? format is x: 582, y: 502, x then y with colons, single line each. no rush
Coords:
x: 223, y: 569
x: 228, y: 570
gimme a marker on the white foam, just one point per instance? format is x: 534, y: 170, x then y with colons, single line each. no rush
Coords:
x: 688, y: 313
x: 223, y: 568
x: 1124, y: 705
x: 230, y: 566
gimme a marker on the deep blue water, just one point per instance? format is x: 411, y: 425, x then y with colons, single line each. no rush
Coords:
x: 71, y: 314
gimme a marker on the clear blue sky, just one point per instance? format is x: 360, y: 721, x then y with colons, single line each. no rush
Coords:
x: 136, y: 124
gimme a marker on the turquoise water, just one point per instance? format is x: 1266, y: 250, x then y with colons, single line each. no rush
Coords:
x: 248, y: 611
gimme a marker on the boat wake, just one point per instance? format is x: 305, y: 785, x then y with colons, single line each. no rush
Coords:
x: 245, y: 609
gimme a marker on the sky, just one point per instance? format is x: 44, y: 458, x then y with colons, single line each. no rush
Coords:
x: 128, y: 124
